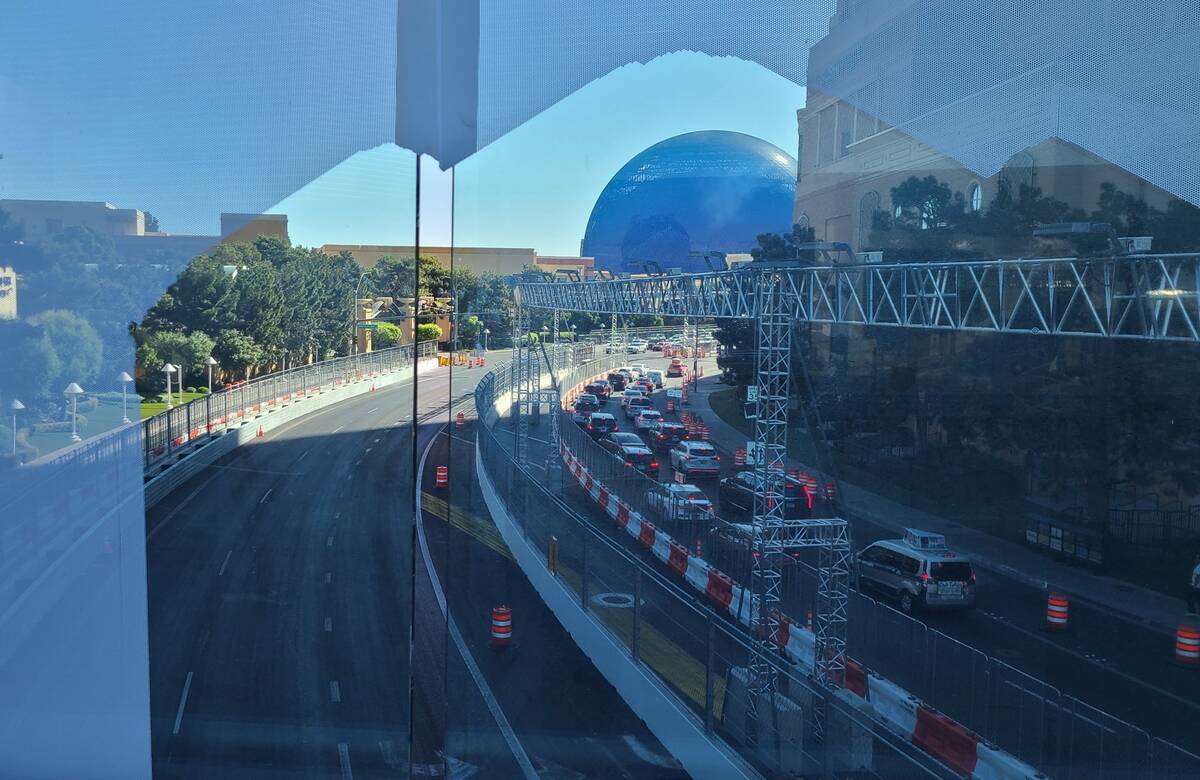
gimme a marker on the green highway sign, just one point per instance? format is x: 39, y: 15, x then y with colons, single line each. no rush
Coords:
x: 368, y: 326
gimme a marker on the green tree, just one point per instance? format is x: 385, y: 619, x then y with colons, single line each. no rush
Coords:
x: 469, y: 330
x: 30, y: 348
x: 773, y: 246
x: 387, y: 335
x: 235, y: 349
x: 429, y: 332
x: 75, y: 342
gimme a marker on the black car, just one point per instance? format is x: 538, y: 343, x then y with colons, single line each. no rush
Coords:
x: 600, y: 389
x: 664, y: 435
x: 624, y: 438
x: 634, y: 456
x: 737, y: 495
x: 584, y: 406
x: 601, y: 423
x: 616, y: 381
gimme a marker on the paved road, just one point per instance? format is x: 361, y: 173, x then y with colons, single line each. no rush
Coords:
x: 280, y: 585
x: 1110, y: 662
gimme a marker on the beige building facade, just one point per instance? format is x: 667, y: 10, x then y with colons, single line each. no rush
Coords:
x: 480, y: 260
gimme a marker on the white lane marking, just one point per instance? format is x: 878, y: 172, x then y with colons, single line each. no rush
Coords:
x: 301, y: 456
x: 335, y: 430
x: 336, y: 515
x: 368, y: 449
x: 489, y: 698
x: 224, y: 563
x: 648, y: 756
x: 328, y: 577
x: 344, y: 760
x: 266, y: 495
x: 335, y: 692
x: 539, y: 441
x: 372, y: 410
x: 181, y: 505
x: 328, y: 625
x: 187, y: 686
x: 329, y: 541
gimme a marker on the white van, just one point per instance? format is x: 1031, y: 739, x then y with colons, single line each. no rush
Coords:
x: 656, y: 377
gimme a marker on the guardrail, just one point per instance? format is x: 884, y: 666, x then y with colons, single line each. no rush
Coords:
x: 695, y: 650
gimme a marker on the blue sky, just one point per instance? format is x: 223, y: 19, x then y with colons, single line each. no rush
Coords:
x: 535, y: 186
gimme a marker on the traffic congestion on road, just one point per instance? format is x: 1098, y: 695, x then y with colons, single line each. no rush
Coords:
x: 700, y: 486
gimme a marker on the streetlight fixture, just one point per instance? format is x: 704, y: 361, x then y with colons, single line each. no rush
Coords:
x: 74, y: 391
x: 574, y: 335
x: 124, y: 379
x: 14, y: 407
x: 210, y: 363
x: 545, y: 334
x: 486, y: 332
x: 354, y: 314
x: 169, y: 369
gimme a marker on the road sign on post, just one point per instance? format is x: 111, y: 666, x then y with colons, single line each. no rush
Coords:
x: 368, y: 326
x: 751, y: 394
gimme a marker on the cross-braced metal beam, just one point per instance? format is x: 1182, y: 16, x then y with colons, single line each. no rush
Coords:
x: 1155, y: 297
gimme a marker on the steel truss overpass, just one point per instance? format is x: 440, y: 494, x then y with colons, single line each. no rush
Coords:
x: 1140, y: 297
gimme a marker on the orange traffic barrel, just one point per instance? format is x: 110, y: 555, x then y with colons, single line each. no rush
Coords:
x: 501, y: 626
x: 442, y: 477
x: 1057, y: 605
x: 460, y: 420
x: 739, y: 456
x: 1187, y: 643
x: 670, y: 405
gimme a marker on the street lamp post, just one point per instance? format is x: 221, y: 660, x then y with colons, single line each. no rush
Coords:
x: 574, y: 335
x: 354, y: 312
x: 486, y: 332
x: 74, y: 391
x: 14, y: 407
x: 169, y: 369
x: 210, y: 363
x: 124, y: 379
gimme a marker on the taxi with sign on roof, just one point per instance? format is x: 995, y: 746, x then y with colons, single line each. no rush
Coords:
x: 919, y: 571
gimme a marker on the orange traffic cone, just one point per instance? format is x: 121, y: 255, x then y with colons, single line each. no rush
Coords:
x: 501, y: 626
x: 260, y: 430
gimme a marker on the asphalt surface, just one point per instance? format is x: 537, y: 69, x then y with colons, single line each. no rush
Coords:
x: 280, y: 583
x: 1107, y: 661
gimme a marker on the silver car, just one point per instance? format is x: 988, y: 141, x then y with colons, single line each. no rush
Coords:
x: 695, y: 457
x: 918, y: 571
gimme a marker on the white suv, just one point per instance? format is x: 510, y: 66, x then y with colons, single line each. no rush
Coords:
x: 695, y: 457
x: 918, y: 571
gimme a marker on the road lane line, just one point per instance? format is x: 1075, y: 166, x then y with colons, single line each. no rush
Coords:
x: 368, y: 449
x: 489, y: 698
x: 372, y: 410
x: 224, y: 563
x: 328, y: 577
x: 301, y: 456
x: 266, y: 495
x: 335, y: 430
x: 328, y: 625
x: 335, y: 692
x: 329, y: 541
x: 180, y: 506
x: 344, y: 760
x: 187, y: 686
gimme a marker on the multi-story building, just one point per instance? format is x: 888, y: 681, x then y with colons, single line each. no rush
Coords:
x: 493, y: 260
x: 893, y: 93
x: 40, y: 220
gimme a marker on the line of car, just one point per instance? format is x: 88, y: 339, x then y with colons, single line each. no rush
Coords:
x: 918, y: 572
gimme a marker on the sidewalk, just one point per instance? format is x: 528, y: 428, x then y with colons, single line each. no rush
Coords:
x: 1137, y: 604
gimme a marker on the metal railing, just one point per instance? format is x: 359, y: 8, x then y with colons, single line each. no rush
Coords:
x: 174, y: 428
x: 696, y: 653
